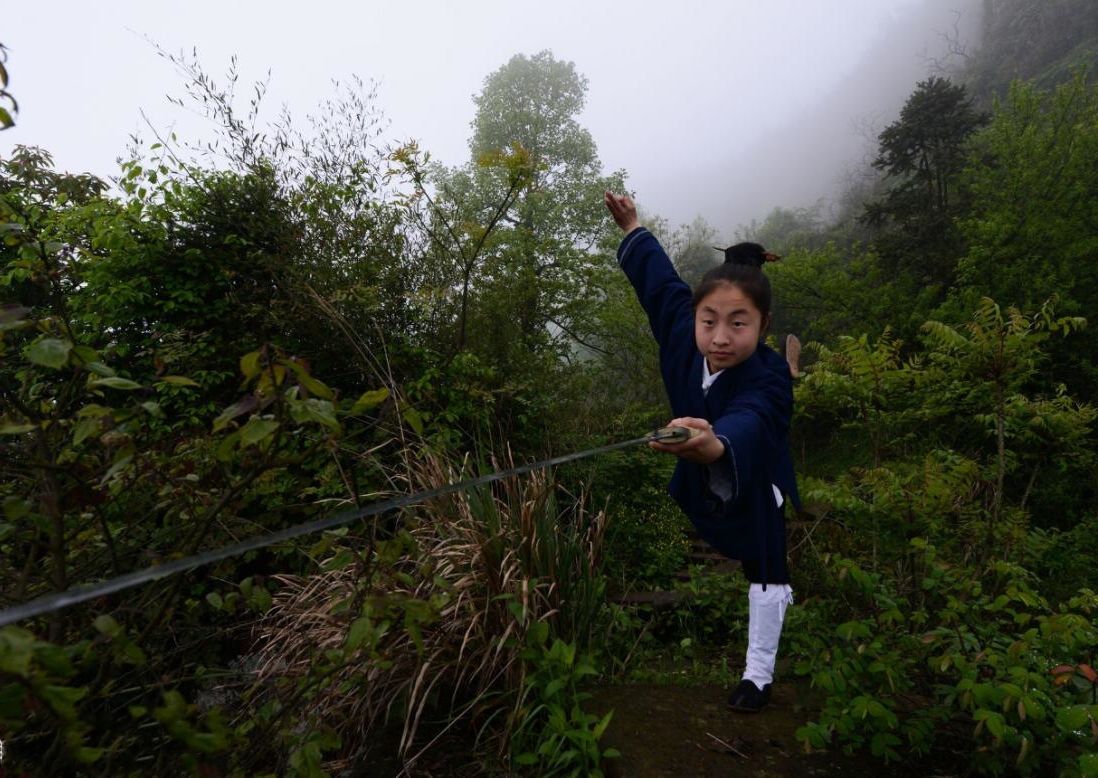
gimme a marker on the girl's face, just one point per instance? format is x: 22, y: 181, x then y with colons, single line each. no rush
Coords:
x: 727, y: 327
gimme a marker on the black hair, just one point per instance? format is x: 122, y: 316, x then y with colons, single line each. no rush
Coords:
x: 746, y: 254
x: 742, y: 267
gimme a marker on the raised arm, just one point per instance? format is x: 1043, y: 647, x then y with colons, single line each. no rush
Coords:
x: 664, y: 296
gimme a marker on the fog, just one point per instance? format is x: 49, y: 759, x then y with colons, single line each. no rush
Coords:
x: 829, y: 139
x: 723, y: 109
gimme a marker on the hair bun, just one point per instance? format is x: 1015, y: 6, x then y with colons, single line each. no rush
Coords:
x: 748, y: 253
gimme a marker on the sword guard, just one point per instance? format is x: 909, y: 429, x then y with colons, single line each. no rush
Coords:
x: 674, y: 434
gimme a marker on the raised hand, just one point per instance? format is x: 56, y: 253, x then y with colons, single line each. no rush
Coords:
x: 623, y: 210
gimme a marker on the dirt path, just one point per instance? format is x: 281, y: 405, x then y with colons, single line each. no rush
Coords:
x: 665, y: 731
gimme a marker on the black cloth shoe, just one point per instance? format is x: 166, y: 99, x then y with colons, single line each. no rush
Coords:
x: 749, y: 698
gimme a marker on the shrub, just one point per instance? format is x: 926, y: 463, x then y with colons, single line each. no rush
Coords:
x: 453, y: 614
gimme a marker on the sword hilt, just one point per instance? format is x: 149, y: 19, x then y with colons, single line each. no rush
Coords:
x: 674, y: 434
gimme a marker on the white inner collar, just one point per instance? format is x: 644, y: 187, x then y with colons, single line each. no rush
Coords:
x: 707, y: 377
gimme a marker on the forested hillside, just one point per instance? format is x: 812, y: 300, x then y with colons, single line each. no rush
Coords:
x: 235, y: 337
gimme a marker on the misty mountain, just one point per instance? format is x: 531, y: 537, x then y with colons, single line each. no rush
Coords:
x: 812, y: 156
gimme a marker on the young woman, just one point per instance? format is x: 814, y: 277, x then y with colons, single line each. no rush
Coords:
x: 735, y: 473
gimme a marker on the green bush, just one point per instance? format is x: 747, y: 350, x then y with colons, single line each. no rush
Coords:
x: 970, y: 654
x: 555, y: 736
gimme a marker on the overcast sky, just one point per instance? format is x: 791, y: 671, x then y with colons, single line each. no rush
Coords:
x: 722, y: 109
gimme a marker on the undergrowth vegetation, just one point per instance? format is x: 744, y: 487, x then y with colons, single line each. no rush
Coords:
x: 236, y: 337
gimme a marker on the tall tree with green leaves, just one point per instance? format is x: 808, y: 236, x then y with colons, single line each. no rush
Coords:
x: 513, y: 244
x: 692, y: 250
x: 1033, y: 232
x: 533, y: 288
x: 922, y: 153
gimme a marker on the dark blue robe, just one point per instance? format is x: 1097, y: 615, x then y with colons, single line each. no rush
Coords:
x: 749, y: 406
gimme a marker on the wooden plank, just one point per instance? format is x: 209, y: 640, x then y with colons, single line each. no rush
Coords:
x: 657, y: 599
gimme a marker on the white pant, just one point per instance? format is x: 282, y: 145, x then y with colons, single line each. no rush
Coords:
x: 766, y: 612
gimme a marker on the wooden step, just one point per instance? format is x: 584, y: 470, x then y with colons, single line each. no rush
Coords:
x: 657, y: 599
x: 725, y: 567
x: 706, y: 557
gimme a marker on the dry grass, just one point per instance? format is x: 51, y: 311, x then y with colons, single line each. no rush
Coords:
x: 482, y: 566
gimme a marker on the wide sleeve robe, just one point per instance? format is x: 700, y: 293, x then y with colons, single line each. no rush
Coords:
x: 731, y: 502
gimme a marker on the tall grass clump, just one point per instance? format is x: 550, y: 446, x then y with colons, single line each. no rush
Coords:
x: 437, y: 630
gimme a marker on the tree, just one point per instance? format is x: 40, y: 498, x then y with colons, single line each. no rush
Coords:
x: 1032, y: 232
x: 1036, y: 40
x: 785, y: 229
x: 922, y: 153
x: 692, y: 250
x: 515, y: 241
x: 295, y: 226
x: 6, y: 120
x: 533, y: 287
x: 824, y: 293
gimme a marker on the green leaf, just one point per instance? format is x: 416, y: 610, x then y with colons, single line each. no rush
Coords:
x: 62, y: 699
x: 415, y: 421
x: 852, y: 629
x: 314, y: 386
x: 359, y: 631
x: 132, y: 654
x: 16, y: 508
x: 177, y: 380
x: 114, y: 382
x: 215, y: 601
x: 16, y: 648
x: 369, y: 400
x: 84, y: 429
x: 224, y: 451
x: 5, y: 119
x: 85, y: 354
x: 49, y: 352
x: 122, y: 460
x: 1072, y: 719
x: 1088, y: 766
x: 53, y: 659
x: 602, y: 725
x: 260, y: 599
x: 256, y: 430
x: 87, y: 755
x: 314, y: 410
x: 15, y: 324
x: 107, y: 625
x: 12, y: 315
x: 240, y: 407
x: 14, y: 428
x: 249, y: 364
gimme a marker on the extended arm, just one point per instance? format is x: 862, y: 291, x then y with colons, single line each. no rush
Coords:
x: 664, y: 296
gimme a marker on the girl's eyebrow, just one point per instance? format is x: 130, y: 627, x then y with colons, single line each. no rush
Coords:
x: 715, y: 312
